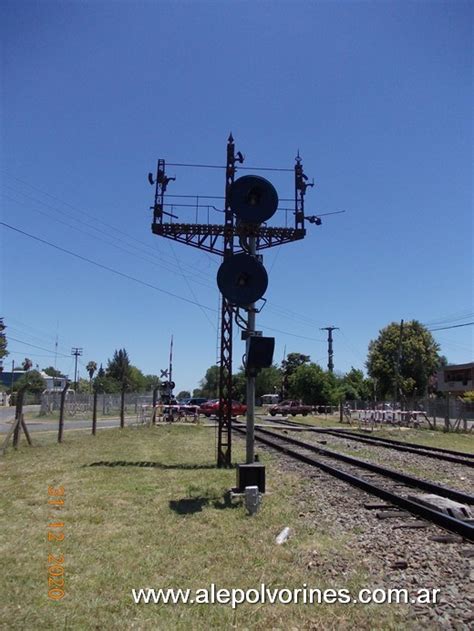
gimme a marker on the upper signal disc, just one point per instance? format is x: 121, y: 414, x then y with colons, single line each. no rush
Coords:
x: 253, y: 199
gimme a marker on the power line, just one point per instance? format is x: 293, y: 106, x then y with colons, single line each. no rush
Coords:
x: 303, y: 337
x: 95, y: 220
x: 137, y: 280
x: 453, y: 326
x: 291, y: 315
x: 109, y: 269
x: 455, y: 317
x: 10, y: 352
x: 190, y: 288
x: 142, y: 255
x: 34, y: 345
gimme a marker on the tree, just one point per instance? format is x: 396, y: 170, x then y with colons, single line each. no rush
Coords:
x: 151, y: 381
x: 310, y: 383
x: 353, y: 386
x: 119, y: 369
x: 288, y: 366
x: 184, y: 394
x: 52, y: 372
x: 26, y: 364
x: 91, y: 368
x: 3, y: 342
x: 209, y: 386
x: 137, y: 381
x: 268, y: 381
x: 31, y: 381
x: 411, y: 352
x: 83, y: 386
x: 100, y: 382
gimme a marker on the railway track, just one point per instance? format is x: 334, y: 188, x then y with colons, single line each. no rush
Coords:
x: 392, y: 486
x: 437, y: 453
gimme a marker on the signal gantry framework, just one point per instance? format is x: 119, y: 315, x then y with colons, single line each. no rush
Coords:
x: 227, y: 240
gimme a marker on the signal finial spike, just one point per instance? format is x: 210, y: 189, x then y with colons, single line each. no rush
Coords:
x: 231, y: 138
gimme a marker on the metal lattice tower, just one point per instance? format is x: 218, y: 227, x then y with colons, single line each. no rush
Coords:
x: 226, y: 240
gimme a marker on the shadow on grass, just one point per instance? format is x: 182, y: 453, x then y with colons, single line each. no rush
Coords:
x: 190, y: 505
x: 148, y: 463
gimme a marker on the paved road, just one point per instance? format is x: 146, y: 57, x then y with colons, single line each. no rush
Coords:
x: 7, y: 413
x: 48, y: 426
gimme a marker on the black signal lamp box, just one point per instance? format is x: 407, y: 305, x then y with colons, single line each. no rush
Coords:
x: 260, y: 352
x: 251, y: 475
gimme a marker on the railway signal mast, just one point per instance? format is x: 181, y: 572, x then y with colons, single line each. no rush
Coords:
x: 249, y: 202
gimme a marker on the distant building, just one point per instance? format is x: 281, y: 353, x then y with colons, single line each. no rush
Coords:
x: 52, y: 384
x: 6, y: 377
x: 457, y: 378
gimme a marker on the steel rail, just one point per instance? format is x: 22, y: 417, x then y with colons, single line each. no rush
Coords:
x: 415, y: 448
x: 431, y: 487
x: 391, y: 441
x: 452, y: 524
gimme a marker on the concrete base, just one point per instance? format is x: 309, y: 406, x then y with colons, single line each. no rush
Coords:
x: 444, y: 505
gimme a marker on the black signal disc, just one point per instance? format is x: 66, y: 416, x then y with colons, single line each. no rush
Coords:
x: 253, y: 199
x: 242, y: 279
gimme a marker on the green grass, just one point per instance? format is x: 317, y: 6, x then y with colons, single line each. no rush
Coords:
x: 79, y: 416
x: 166, y: 525
x: 431, y: 438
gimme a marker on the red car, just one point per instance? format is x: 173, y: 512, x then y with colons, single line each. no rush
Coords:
x: 212, y: 407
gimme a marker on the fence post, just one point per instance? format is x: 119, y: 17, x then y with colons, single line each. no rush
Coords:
x: 18, y: 414
x: 155, y: 400
x: 61, y: 412
x: 341, y: 412
x: 122, y: 408
x: 94, y: 412
x: 446, y: 414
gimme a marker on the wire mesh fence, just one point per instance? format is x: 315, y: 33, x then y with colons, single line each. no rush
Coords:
x: 81, y: 405
x: 449, y: 413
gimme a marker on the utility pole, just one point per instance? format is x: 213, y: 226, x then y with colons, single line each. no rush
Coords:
x: 250, y: 436
x: 170, y: 381
x: 397, y: 364
x: 77, y: 352
x: 13, y: 375
x: 330, y: 329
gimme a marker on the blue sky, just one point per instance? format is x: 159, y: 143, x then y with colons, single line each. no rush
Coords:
x: 377, y: 96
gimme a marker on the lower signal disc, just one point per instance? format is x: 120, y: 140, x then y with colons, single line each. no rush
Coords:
x: 242, y: 279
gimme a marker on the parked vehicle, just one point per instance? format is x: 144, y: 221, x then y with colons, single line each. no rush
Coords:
x: 197, y: 401
x: 212, y: 407
x: 290, y: 407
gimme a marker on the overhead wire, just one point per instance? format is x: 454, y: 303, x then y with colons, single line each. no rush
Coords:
x: 191, y: 289
x: 113, y: 244
x: 105, y: 267
x: 453, y: 326
x: 455, y: 317
x: 14, y: 339
x: 271, y: 306
x: 94, y: 218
